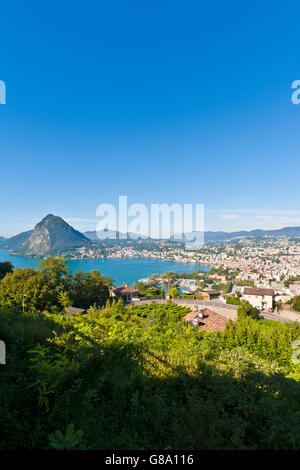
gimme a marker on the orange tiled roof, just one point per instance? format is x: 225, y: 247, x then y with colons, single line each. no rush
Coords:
x: 123, y: 290
x: 190, y: 316
x: 258, y: 291
x: 212, y: 321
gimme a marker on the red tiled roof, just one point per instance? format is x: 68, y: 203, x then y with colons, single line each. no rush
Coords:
x: 190, y: 316
x: 208, y: 292
x: 212, y: 321
x: 258, y: 291
x: 123, y: 290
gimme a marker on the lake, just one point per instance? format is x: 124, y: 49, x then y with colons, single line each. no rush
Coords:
x: 121, y: 270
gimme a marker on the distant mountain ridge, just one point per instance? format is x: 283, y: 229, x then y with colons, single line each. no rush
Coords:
x: 16, y: 241
x: 107, y: 234
x: 2, y: 241
x: 211, y: 236
x: 54, y: 236
x: 228, y: 236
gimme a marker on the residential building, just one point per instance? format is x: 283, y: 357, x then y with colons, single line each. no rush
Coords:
x: 209, y: 294
x: 124, y: 292
x: 207, y: 319
x: 261, y: 298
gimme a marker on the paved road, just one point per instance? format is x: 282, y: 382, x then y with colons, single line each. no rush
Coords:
x: 275, y: 317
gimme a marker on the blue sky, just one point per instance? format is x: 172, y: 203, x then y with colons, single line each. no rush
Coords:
x: 162, y: 101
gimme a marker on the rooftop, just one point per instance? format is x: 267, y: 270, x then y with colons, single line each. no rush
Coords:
x: 211, y: 320
x: 74, y: 311
x: 258, y: 291
x: 123, y: 290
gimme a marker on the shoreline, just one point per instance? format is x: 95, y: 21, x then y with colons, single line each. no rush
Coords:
x: 129, y: 269
x: 108, y: 257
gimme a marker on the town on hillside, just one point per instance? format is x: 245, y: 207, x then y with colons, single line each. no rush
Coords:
x: 264, y: 272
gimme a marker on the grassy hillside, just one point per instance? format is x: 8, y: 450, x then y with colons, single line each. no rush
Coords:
x: 139, y: 378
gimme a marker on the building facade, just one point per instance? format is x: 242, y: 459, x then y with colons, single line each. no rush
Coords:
x: 261, y: 298
x: 125, y: 292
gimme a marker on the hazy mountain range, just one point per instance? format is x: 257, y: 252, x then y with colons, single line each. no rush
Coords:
x: 106, y: 235
x: 15, y: 242
x: 54, y: 236
x: 216, y: 237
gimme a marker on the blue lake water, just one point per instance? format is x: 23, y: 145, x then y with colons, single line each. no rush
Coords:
x: 121, y: 270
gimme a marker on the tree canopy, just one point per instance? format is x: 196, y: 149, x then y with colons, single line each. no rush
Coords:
x: 43, y: 289
x: 5, y: 268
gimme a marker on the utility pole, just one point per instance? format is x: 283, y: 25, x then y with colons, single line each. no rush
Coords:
x: 24, y: 295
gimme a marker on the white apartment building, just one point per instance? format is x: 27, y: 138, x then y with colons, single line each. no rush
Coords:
x: 261, y: 298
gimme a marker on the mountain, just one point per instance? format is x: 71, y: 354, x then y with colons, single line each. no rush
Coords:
x: 15, y: 242
x: 54, y: 236
x: 2, y: 241
x: 212, y: 237
x: 51, y: 236
x: 103, y: 235
x: 276, y: 233
x: 219, y: 237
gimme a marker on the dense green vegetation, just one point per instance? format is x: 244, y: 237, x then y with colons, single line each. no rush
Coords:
x: 295, y: 303
x: 291, y: 279
x: 244, y: 282
x: 5, y: 268
x: 137, y: 377
x: 233, y: 299
x: 42, y: 289
x: 149, y: 289
x: 140, y: 378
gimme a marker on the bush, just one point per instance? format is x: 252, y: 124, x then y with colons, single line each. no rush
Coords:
x: 139, y: 377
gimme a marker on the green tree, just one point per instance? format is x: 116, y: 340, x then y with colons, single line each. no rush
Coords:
x: 19, y: 283
x: 296, y: 303
x: 54, y: 267
x: 52, y: 286
x: 64, y: 299
x: 173, y: 292
x: 170, y: 279
x: 247, y: 309
x: 233, y: 299
x: 5, y: 268
x: 54, y: 279
x: 89, y: 289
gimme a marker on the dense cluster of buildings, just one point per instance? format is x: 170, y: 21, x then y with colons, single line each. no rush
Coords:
x: 253, y: 263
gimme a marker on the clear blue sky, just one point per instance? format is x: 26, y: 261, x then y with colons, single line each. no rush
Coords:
x: 162, y: 101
